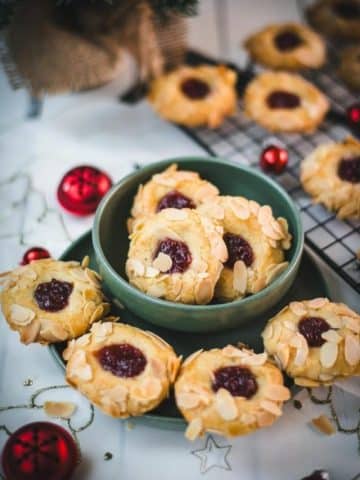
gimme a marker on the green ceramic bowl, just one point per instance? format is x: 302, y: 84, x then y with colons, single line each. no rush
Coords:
x: 110, y: 241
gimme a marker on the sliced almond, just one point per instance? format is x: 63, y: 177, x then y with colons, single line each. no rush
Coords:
x: 290, y: 325
x: 247, y: 418
x: 306, y: 382
x: 79, y: 366
x: 101, y: 330
x: 240, y: 276
x: 269, y: 230
x: 52, y: 332
x: 217, y: 211
x: 254, y: 207
x: 283, y: 355
x: 352, y: 349
x: 278, y: 393
x: 117, y: 394
x: 93, y: 276
x: 264, y: 215
x: 255, y: 360
x: 317, y: 303
x: 151, y: 388
x: 192, y: 357
x: 218, y: 248
x: 21, y: 315
x: 326, y: 377
x: 173, y: 366
x: 30, y: 332
x: 156, y: 290
x: 151, y: 272
x: 135, y: 266
x: 352, y: 323
x: 163, y: 262
x: 175, y: 214
x: 328, y: 354
x: 59, y: 409
x: 298, y: 308
x: 204, y: 291
x: 323, y: 424
x: 241, y: 208
x: 85, y: 261
x: 331, y: 336
x: 232, y: 352
x: 268, y: 332
x: 302, y: 349
x: 226, y: 405
x: 271, y: 407
x: 188, y: 400
x: 265, y: 419
x: 275, y: 272
x: 194, y: 429
x: 83, y: 340
x: 97, y: 314
x: 334, y: 320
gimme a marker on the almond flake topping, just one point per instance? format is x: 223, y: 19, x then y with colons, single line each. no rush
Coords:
x: 264, y: 215
x: 255, y: 359
x: 59, y: 409
x: 331, y: 336
x: 283, y: 355
x: 324, y: 425
x: 298, y: 308
x: 265, y: 419
x: 352, y: 350
x: 240, y: 277
x: 204, y: 291
x: 268, y: 332
x: 175, y: 214
x: 194, y: 429
x: 188, y: 400
x: 302, y: 349
x: 271, y: 407
x: 192, y: 357
x: 21, y: 315
x: 317, y: 303
x: 85, y: 261
x: 328, y: 354
x: 151, y: 272
x: 80, y: 367
x: 136, y: 267
x: 69, y: 350
x: 151, y: 388
x: 352, y: 323
x: 241, y: 208
x: 226, y: 405
x: 163, y: 262
x: 278, y: 393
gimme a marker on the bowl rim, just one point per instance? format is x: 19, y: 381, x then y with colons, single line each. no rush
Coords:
x: 101, y: 257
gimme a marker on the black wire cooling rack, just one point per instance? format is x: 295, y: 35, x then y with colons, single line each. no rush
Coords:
x: 241, y: 140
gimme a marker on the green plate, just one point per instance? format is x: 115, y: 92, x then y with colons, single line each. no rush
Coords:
x: 308, y: 284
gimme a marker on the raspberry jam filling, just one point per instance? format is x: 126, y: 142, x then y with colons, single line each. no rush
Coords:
x: 349, y: 169
x: 122, y: 360
x: 195, y: 89
x: 282, y: 99
x: 178, y: 252
x: 238, y: 249
x: 54, y: 295
x: 312, y: 328
x: 347, y: 10
x: 239, y: 381
x: 174, y: 199
x: 287, y: 40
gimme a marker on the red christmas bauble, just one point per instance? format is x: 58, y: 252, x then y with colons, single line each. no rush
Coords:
x: 82, y: 188
x: 274, y: 159
x: 34, y: 253
x: 353, y: 115
x: 40, y: 451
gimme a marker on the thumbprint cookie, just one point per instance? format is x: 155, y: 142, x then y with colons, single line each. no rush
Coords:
x: 123, y: 370
x: 171, y: 188
x: 287, y: 46
x: 50, y: 301
x: 195, y: 96
x: 315, y: 341
x: 176, y: 255
x: 336, y: 18
x: 331, y: 175
x: 255, y: 241
x: 231, y: 392
x: 285, y: 102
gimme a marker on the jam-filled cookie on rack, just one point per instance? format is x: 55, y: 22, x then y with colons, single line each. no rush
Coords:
x: 176, y: 255
x: 336, y: 18
x: 50, y: 301
x: 315, y: 341
x: 231, y: 391
x: 331, y: 175
x: 287, y: 46
x: 255, y: 241
x: 195, y: 96
x: 285, y: 102
x: 171, y: 188
x: 349, y: 68
x: 123, y: 370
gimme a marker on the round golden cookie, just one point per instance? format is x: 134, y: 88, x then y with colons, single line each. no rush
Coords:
x: 255, y: 241
x: 229, y: 392
x: 315, y: 341
x: 51, y: 301
x: 195, y: 96
x: 349, y: 69
x: 336, y: 18
x: 176, y: 255
x: 287, y: 46
x: 331, y: 175
x: 171, y: 188
x: 285, y: 102
x: 121, y: 369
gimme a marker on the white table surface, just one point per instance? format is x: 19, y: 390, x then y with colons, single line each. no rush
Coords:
x: 94, y: 128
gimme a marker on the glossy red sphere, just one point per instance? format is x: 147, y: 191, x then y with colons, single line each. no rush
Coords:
x: 353, y: 115
x: 274, y: 159
x: 40, y: 451
x: 82, y: 188
x: 34, y: 253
